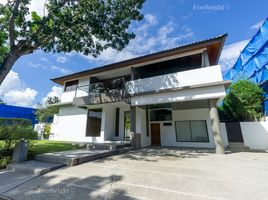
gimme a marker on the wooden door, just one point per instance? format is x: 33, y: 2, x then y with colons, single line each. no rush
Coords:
x: 155, y: 134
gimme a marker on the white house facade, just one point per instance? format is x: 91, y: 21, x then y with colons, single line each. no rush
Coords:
x: 168, y: 98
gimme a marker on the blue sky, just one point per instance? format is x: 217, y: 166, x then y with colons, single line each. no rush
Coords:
x: 167, y: 24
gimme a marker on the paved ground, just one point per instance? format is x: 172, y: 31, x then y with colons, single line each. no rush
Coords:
x: 156, y: 173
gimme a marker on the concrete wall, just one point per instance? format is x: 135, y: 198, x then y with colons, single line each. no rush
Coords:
x: 168, y: 133
x: 70, y: 124
x: 109, y: 122
x: 212, y: 92
x: 255, y: 134
x: 68, y: 96
x: 141, y: 127
x: 180, y: 79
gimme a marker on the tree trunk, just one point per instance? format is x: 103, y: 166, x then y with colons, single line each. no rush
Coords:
x: 7, y: 64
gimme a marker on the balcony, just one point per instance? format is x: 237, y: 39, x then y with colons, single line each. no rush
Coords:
x: 100, y: 93
x: 182, y: 79
x: 120, y: 90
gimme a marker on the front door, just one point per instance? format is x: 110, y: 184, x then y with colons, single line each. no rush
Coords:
x: 155, y: 134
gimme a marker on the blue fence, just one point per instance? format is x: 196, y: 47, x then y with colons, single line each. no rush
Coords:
x: 8, y: 111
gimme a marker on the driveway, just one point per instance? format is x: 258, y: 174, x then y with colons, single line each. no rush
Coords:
x: 156, y: 173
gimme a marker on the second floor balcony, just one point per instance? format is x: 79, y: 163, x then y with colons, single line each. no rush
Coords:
x: 120, y: 90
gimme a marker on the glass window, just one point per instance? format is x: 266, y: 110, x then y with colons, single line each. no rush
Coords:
x: 94, y: 123
x: 161, y: 115
x: 199, y: 131
x: 191, y: 131
x: 127, y: 124
x: 183, y: 131
x: 71, y: 85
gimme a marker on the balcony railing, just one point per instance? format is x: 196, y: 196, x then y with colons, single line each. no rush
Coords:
x: 99, y: 93
x: 182, y: 79
x: 120, y: 90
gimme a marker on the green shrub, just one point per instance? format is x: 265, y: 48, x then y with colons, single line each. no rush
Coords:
x: 14, y: 130
x: 243, y: 102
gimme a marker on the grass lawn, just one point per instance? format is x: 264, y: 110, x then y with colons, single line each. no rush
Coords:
x: 40, y: 146
x: 46, y: 146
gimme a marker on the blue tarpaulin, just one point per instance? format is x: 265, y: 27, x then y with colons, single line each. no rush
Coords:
x: 8, y: 111
x: 252, y: 63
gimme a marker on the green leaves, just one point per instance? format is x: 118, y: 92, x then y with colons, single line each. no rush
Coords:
x: 243, y: 102
x: 35, y: 17
x: 84, y: 26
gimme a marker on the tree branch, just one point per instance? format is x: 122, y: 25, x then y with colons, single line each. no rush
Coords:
x: 11, y: 28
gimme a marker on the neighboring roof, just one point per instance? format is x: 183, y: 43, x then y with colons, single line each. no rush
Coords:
x: 252, y: 63
x: 181, y: 49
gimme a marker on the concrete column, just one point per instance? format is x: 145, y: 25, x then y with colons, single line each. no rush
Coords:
x: 215, y: 123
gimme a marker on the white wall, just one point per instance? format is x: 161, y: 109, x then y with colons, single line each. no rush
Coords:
x: 180, y: 79
x: 212, y: 92
x: 255, y: 134
x: 224, y: 134
x: 141, y: 127
x: 71, y: 126
x: 109, y: 122
x: 67, y: 96
x: 168, y: 134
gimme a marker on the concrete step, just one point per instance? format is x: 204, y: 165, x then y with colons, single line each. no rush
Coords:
x: 34, y: 167
x: 238, y: 146
x: 76, y: 157
x: 108, y: 145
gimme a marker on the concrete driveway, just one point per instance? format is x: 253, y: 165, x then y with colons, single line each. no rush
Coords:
x: 156, y: 173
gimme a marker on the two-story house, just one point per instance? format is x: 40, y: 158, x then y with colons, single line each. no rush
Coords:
x: 168, y: 98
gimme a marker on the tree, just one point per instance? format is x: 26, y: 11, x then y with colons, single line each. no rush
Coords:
x: 85, y: 26
x: 45, y: 113
x: 243, y: 102
x: 13, y: 130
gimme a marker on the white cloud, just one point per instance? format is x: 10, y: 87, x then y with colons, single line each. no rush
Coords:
x: 149, y: 38
x: 44, y: 59
x: 14, y: 91
x: 61, y: 59
x: 151, y: 19
x: 55, y: 91
x: 61, y: 70
x: 230, y: 54
x: 257, y: 25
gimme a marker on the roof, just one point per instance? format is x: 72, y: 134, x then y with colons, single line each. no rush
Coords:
x: 169, y: 52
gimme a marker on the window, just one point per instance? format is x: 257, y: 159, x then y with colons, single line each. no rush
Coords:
x: 161, y: 115
x: 94, y: 122
x: 117, y: 115
x: 71, y: 85
x: 191, y: 131
x: 127, y: 125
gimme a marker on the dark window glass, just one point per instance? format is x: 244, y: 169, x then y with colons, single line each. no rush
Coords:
x: 71, y: 85
x: 94, y: 123
x: 161, y: 115
x: 191, y: 131
x: 117, y: 122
